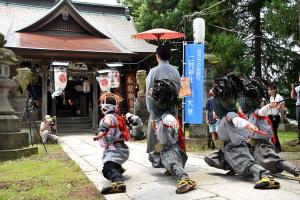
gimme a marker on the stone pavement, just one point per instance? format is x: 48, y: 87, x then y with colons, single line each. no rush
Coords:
x: 146, y: 183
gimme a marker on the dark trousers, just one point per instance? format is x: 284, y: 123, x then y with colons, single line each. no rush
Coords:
x: 275, y: 120
x: 113, y: 171
x: 298, y: 119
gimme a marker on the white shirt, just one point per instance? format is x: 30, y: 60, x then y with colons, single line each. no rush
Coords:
x: 297, y: 89
x: 275, y: 111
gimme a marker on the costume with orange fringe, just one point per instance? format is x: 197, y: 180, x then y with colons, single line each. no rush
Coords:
x: 112, y: 139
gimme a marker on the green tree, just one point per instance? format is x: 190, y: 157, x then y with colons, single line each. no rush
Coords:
x: 249, y: 48
x: 170, y: 14
x: 253, y: 37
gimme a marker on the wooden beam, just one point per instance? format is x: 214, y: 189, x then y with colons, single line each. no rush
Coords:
x: 44, y: 91
x: 95, y: 119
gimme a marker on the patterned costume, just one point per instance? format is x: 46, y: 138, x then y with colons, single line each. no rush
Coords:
x: 116, y: 152
x: 162, y: 86
x: 234, y: 132
x: 168, y: 153
x: 262, y: 148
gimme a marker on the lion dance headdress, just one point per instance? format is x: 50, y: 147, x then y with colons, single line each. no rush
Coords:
x: 109, y: 102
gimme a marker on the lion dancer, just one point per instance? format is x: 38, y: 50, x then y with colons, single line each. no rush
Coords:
x: 116, y: 152
x: 168, y: 152
x: 263, y: 149
x: 171, y: 156
x: 234, y: 131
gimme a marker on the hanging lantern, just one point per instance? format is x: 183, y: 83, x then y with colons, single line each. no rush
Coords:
x: 114, y: 78
x: 86, y: 86
x: 104, y: 80
x: 60, y: 80
x: 199, y: 30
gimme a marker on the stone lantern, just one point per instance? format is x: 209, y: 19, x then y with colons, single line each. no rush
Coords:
x: 140, y: 108
x: 13, y: 143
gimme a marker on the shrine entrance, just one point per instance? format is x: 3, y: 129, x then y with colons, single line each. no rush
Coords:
x: 77, y: 98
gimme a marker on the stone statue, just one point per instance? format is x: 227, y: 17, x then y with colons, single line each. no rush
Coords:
x: 140, y: 108
x: 141, y: 76
x: 7, y: 56
x: 14, y: 143
x: 22, y: 80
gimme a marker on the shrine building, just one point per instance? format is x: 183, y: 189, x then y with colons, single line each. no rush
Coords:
x: 88, y: 40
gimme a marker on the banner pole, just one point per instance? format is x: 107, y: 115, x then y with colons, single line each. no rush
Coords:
x: 183, y: 99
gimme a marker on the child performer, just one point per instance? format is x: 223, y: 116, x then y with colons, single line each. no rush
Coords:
x: 234, y: 131
x: 171, y: 156
x: 116, y: 152
x: 263, y: 149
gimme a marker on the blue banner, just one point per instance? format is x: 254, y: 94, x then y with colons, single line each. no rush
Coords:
x: 194, y: 70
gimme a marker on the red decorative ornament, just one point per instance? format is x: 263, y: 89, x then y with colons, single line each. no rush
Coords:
x: 104, y: 82
x: 62, y: 78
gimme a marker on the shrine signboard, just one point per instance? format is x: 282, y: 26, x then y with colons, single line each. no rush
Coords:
x: 130, y: 90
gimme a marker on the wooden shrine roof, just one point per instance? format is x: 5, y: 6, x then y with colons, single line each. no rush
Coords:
x: 34, y: 26
x: 64, y: 42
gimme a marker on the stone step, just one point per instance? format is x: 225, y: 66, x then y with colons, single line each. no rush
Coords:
x: 13, y: 140
x: 87, y: 130
x: 74, y: 125
x: 17, y: 153
x: 73, y: 120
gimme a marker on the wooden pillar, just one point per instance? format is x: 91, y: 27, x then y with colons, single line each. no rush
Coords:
x: 44, y: 91
x: 54, y: 106
x: 95, y: 119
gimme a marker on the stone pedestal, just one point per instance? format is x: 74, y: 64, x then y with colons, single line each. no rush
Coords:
x: 198, y: 131
x: 140, y: 109
x: 18, y: 104
x: 200, y: 134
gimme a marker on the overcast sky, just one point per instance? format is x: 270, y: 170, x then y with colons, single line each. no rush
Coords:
x: 109, y: 2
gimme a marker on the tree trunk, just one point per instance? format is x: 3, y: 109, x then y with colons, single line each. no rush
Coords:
x: 299, y: 16
x: 257, y: 40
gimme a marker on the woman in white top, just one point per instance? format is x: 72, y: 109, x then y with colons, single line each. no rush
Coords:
x: 276, y: 114
x: 295, y: 94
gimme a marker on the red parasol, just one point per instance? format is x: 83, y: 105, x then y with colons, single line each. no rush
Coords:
x: 158, y: 34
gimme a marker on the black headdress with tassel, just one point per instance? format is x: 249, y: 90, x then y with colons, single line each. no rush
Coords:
x: 255, y: 91
x: 227, y: 89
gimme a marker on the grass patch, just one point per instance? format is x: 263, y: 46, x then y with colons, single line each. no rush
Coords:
x: 46, y: 176
x: 288, y: 141
x: 194, y: 147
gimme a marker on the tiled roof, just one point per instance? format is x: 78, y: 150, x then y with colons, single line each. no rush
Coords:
x: 63, y: 42
x: 15, y: 17
x: 56, y: 12
x: 101, y: 2
x: 120, y: 29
